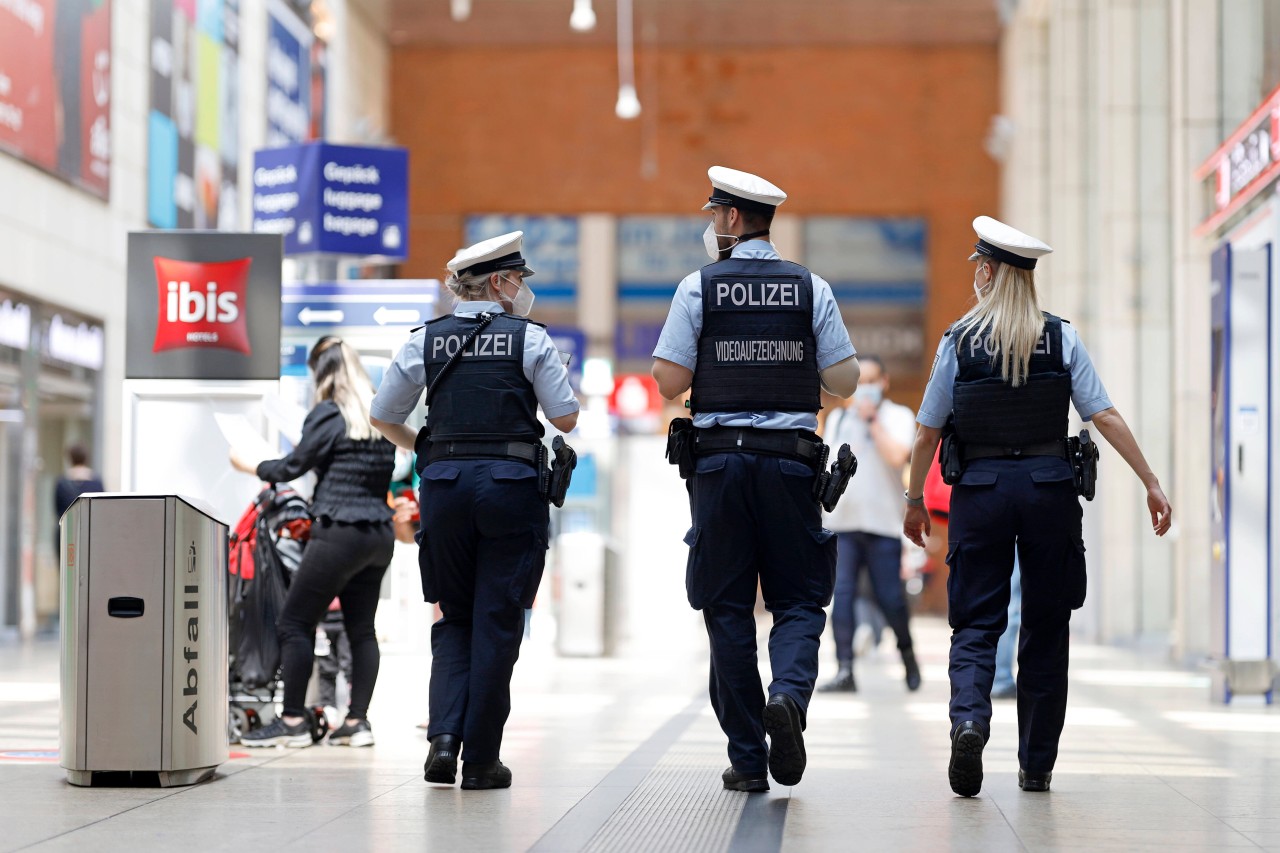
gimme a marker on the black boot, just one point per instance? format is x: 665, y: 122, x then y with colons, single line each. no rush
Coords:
x: 913, y: 669
x: 787, y: 757
x: 442, y: 761
x: 843, y: 682
x: 965, y: 770
x: 482, y: 777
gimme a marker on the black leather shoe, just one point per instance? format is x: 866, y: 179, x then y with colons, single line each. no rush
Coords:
x: 965, y: 770
x: 842, y: 683
x: 786, y: 739
x: 752, y: 783
x: 482, y: 777
x: 442, y: 761
x: 913, y: 669
x: 1035, y: 783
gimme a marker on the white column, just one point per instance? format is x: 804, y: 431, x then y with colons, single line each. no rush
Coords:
x: 598, y: 282
x: 1194, y: 119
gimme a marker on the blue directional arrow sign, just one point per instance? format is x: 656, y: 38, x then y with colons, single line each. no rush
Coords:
x: 360, y: 302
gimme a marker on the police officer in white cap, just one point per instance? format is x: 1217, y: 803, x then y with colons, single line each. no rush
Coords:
x: 755, y: 337
x: 487, y: 368
x: 1002, y: 382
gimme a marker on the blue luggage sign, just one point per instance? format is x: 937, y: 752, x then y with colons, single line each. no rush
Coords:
x: 334, y: 199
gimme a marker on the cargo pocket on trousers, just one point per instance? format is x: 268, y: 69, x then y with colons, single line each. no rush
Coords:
x: 826, y: 579
x: 525, y: 584
x: 695, y: 572
x: 1076, y: 578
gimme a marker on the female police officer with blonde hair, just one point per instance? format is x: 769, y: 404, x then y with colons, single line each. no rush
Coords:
x: 484, y: 509
x: 1003, y: 377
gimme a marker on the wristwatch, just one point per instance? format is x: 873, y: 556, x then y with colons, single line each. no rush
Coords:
x: 913, y: 501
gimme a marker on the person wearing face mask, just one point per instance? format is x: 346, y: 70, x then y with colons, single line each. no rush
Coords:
x: 867, y: 521
x: 484, y: 513
x: 754, y: 338
x: 1005, y: 375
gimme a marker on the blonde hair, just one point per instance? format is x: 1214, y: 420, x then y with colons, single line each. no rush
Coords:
x: 341, y: 377
x: 1011, y: 312
x: 468, y: 287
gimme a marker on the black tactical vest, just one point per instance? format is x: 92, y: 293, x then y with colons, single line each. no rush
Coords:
x: 757, y: 352
x: 485, y: 395
x: 990, y: 411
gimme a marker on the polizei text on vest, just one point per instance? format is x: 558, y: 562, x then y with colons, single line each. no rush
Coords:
x: 761, y: 294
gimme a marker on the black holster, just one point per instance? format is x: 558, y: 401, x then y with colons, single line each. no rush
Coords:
x: 1082, y: 453
x: 680, y: 446
x: 563, y: 460
x: 949, y: 456
x: 830, y: 485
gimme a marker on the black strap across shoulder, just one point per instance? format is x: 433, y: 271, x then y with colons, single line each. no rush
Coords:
x: 485, y: 319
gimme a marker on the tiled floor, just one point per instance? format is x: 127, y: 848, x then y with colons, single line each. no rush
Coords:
x: 624, y: 755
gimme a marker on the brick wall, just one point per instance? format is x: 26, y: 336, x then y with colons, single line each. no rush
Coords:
x: 857, y: 131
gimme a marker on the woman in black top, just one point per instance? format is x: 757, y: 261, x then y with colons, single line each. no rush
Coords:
x: 350, y: 546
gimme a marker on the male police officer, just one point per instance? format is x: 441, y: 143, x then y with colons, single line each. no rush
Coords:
x: 754, y: 335
x: 484, y: 510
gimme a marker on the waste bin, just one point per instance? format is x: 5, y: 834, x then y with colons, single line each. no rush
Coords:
x: 144, y: 638
x: 587, y: 611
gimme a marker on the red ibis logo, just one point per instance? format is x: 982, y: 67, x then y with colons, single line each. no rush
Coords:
x: 202, y: 305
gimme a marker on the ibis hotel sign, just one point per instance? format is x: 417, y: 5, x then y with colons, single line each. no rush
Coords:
x: 1243, y: 166
x: 334, y: 199
x: 203, y: 305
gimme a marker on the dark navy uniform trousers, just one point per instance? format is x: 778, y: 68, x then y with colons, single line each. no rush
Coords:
x: 755, y: 522
x: 481, y: 550
x: 1001, y: 504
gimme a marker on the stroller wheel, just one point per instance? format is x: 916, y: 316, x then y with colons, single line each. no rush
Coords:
x: 319, y: 724
x: 253, y: 719
x: 238, y: 722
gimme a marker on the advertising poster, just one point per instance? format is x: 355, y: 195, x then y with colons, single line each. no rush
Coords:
x: 551, y: 248
x: 55, y: 87
x: 289, y: 77
x: 655, y: 253
x: 193, y: 126
x: 877, y: 269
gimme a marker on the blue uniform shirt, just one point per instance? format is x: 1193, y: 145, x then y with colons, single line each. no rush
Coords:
x: 1087, y: 393
x: 404, y: 380
x: 679, y: 341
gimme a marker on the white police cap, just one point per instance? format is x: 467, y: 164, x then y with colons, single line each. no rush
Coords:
x: 1006, y: 244
x: 742, y: 190
x: 496, y: 253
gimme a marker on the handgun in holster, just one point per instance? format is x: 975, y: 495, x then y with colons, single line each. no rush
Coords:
x: 421, y: 445
x: 950, y: 460
x: 1083, y: 455
x: 834, y: 482
x: 564, y: 460
x: 680, y: 446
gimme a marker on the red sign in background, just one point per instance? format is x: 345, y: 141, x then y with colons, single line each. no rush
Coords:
x: 55, y: 87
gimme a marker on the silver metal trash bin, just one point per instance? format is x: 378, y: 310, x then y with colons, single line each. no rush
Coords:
x: 144, y: 638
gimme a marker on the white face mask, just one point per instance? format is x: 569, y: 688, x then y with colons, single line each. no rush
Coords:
x: 872, y: 393
x: 522, y: 302
x: 978, y: 289
x: 711, y: 244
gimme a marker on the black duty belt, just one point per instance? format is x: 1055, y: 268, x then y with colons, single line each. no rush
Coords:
x: 1056, y: 448
x: 469, y: 449
x: 793, y: 443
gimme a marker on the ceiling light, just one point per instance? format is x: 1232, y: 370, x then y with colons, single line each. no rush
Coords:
x: 460, y: 9
x: 628, y: 106
x: 583, y: 18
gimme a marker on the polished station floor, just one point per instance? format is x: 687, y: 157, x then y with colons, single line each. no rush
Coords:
x: 623, y: 754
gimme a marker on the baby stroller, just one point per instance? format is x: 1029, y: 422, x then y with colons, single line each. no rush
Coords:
x: 266, y: 548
